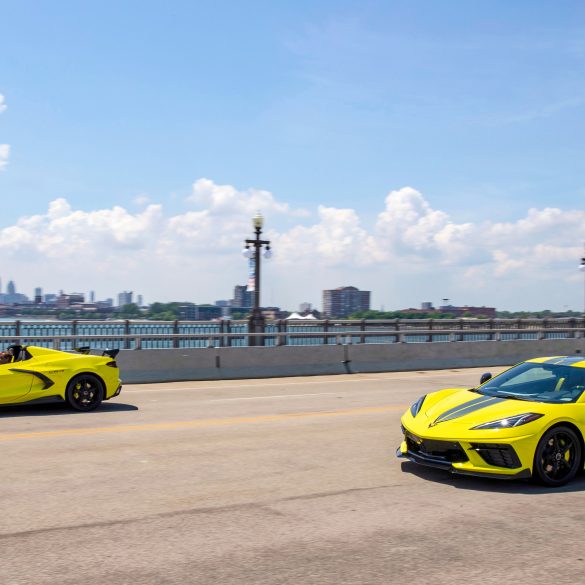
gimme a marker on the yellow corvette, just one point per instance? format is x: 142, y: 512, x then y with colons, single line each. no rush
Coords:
x: 37, y: 374
x: 526, y: 422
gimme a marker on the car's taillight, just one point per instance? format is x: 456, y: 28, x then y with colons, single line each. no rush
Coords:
x: 112, y: 364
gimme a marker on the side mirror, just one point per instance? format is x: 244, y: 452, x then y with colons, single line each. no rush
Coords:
x: 485, y: 377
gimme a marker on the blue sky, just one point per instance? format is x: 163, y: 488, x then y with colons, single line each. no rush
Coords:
x: 476, y: 106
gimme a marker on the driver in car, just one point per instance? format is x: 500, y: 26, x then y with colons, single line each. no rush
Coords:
x: 6, y: 357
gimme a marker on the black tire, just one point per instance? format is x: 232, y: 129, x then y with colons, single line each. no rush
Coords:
x: 84, y: 392
x: 558, y: 457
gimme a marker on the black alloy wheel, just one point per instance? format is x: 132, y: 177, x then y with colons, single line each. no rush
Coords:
x: 85, y: 392
x: 558, y: 457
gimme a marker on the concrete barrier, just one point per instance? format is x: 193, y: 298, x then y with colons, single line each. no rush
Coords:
x: 433, y: 356
x: 170, y: 365
x: 166, y: 365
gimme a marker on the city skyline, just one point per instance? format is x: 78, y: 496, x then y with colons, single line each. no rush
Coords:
x: 418, y: 151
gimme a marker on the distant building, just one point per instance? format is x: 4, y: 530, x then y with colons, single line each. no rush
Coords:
x: 64, y: 301
x: 11, y: 297
x: 243, y: 297
x: 192, y: 312
x: 273, y: 313
x: 92, y: 296
x: 486, y: 312
x: 305, y: 308
x: 427, y: 306
x: 50, y: 299
x: 222, y: 303
x: 125, y: 298
x: 457, y: 312
x: 140, y: 301
x: 38, y: 295
x: 345, y: 300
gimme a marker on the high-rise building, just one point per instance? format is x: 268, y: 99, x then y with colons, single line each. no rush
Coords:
x: 92, y: 296
x: 11, y: 288
x: 345, y: 300
x: 140, y: 300
x: 305, y: 308
x: 243, y: 297
x: 38, y: 295
x: 125, y: 298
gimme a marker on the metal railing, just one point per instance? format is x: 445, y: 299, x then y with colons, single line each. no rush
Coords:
x: 204, y: 334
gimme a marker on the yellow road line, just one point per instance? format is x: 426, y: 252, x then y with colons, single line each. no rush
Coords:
x: 201, y: 423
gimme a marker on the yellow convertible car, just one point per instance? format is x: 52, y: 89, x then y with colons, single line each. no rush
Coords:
x: 526, y: 422
x: 37, y: 374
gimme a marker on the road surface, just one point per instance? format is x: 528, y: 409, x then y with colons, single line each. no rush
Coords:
x: 272, y: 482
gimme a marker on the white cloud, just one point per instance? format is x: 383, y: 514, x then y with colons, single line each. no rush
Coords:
x: 4, y: 154
x: 412, y: 252
x: 336, y: 240
x: 227, y: 200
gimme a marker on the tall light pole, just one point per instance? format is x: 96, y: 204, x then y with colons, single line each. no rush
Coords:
x: 582, y: 269
x: 253, y: 249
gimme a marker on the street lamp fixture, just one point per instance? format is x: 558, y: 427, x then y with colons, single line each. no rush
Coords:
x: 255, y: 248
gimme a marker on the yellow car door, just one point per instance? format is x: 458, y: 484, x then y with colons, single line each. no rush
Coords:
x: 13, y: 385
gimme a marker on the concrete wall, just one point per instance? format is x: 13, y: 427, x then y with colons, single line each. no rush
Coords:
x: 166, y: 365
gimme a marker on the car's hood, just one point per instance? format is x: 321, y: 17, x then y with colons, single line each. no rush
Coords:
x: 464, y: 407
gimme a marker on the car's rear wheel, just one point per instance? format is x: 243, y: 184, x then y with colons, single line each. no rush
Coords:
x: 85, y: 392
x: 558, y: 457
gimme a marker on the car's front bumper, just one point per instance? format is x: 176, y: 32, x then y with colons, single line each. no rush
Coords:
x: 503, y: 458
x: 446, y: 466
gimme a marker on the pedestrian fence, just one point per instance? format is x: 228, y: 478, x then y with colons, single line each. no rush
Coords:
x: 130, y: 334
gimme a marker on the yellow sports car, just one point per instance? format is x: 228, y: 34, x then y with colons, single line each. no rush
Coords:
x: 37, y: 374
x: 526, y: 422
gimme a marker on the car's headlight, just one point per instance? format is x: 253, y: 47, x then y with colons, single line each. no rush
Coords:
x: 415, y: 408
x: 511, y: 421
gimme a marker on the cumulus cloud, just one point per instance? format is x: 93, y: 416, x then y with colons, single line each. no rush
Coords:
x: 410, y: 226
x: 198, y: 250
x: 63, y: 231
x: 336, y: 239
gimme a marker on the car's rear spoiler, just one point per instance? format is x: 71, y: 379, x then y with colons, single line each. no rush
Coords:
x: 109, y: 352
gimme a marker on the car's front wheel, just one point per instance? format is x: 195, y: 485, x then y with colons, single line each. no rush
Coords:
x: 85, y: 392
x: 558, y: 457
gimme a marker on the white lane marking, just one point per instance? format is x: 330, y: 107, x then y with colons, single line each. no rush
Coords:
x: 273, y: 396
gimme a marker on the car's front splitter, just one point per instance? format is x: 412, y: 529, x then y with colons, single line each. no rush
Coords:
x: 429, y: 461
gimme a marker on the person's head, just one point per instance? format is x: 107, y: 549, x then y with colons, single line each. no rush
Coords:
x: 6, y: 357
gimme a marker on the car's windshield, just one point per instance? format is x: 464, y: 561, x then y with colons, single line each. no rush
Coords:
x: 543, y: 382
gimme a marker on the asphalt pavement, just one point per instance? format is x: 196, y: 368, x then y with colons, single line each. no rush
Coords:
x: 275, y: 481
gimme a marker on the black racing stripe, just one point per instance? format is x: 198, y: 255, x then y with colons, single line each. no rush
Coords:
x: 477, y: 405
x: 463, y: 406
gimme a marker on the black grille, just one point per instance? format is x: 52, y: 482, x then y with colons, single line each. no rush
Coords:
x: 497, y: 455
x: 448, y: 451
